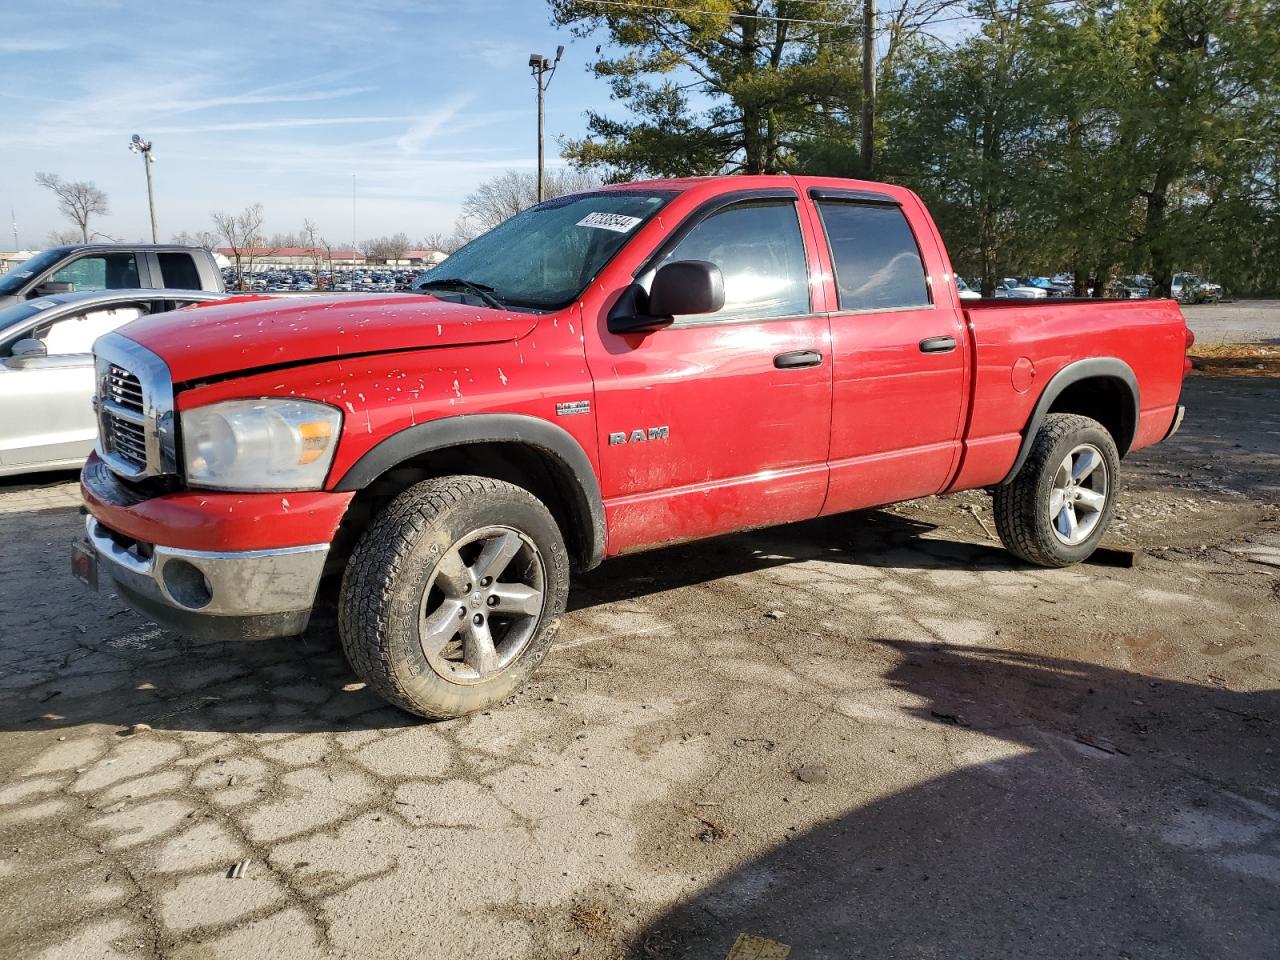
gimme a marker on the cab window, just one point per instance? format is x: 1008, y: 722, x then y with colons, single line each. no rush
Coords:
x: 876, y: 259
x: 75, y: 334
x: 178, y: 271
x: 760, y: 252
x: 101, y: 271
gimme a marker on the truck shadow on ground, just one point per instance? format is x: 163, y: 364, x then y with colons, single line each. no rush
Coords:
x: 1095, y: 812
x: 869, y: 538
x: 112, y: 666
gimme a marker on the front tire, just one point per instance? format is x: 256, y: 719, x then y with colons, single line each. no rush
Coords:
x: 1057, y: 509
x: 453, y: 594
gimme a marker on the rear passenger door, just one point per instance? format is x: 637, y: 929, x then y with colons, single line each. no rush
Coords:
x: 898, y: 352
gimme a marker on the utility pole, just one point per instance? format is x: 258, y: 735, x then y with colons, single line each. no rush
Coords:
x: 138, y: 145
x: 543, y: 69
x: 868, y: 85
x: 14, y: 217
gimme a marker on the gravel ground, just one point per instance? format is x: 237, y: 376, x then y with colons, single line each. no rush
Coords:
x: 870, y: 736
x: 1241, y: 321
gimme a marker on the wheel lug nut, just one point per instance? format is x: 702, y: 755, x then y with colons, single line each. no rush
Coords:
x: 478, y: 619
x: 493, y: 601
x: 486, y: 581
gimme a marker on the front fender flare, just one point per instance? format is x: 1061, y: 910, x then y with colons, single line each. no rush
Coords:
x: 552, y: 441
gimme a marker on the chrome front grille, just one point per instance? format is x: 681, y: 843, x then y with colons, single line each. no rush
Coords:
x: 126, y: 440
x: 134, y: 402
x: 123, y: 387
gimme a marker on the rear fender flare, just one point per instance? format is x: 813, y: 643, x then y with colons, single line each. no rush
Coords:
x: 1088, y: 369
x: 570, y: 460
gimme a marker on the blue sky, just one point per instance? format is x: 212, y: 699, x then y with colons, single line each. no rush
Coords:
x: 278, y: 101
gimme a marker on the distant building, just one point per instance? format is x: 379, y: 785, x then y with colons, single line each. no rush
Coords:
x: 12, y: 259
x: 419, y: 258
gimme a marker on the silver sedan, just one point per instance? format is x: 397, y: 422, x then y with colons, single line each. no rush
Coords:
x: 46, y: 370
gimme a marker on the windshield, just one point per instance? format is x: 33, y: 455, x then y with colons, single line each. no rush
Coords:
x: 546, y: 256
x: 17, y: 278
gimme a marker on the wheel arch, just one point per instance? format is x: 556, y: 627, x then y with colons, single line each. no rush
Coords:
x: 1104, y: 388
x: 525, y: 444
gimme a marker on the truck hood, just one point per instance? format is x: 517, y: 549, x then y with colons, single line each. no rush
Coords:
x: 251, y: 333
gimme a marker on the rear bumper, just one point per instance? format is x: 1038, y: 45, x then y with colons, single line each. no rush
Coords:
x: 1176, y: 425
x: 234, y: 595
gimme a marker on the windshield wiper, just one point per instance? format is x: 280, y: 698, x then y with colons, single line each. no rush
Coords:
x: 480, y: 290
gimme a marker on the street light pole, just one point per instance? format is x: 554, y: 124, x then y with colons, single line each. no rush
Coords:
x: 543, y: 69
x: 138, y: 145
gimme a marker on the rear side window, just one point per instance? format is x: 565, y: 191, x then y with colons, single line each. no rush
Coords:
x: 760, y: 253
x: 178, y: 271
x: 877, y: 262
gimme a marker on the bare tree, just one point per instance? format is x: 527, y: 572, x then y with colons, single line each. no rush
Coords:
x: 502, y: 197
x: 201, y: 238
x: 77, y: 201
x: 321, y: 249
x: 441, y: 241
x: 386, y: 248
x: 243, y: 235
x: 279, y: 241
x: 63, y: 238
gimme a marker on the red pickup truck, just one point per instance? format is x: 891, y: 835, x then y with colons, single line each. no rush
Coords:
x: 604, y: 373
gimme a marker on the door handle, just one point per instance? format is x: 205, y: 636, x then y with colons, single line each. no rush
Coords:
x: 937, y: 344
x: 796, y: 359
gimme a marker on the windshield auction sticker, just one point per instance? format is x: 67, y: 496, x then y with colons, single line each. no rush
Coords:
x: 617, y: 222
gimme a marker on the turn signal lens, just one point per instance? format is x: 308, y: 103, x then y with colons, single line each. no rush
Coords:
x: 315, y: 440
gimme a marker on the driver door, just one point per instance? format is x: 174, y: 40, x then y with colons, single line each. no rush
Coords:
x: 720, y: 422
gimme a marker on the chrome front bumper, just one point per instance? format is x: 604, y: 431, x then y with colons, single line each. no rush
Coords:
x: 249, y: 594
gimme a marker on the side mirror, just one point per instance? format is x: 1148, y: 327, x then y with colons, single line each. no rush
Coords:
x: 683, y: 288
x: 686, y: 287
x: 51, y: 287
x: 24, y: 351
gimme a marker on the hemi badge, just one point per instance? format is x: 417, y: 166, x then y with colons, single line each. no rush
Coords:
x: 572, y: 408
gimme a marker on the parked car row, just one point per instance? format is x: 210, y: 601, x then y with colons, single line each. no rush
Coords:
x: 1186, y: 288
x: 304, y: 281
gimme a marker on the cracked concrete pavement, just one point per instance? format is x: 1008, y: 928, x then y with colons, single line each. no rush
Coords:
x: 866, y: 736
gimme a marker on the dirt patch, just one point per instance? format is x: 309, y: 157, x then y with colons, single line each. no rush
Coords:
x: 1236, y: 360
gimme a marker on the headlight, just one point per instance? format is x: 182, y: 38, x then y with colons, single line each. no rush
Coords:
x: 260, y: 444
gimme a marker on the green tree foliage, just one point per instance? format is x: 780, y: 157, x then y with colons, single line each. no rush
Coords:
x: 716, y: 85
x: 1100, y: 138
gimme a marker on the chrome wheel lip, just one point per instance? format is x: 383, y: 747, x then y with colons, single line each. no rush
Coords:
x: 1078, y: 494
x: 494, y: 619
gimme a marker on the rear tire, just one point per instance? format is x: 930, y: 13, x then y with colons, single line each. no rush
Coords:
x: 453, y: 594
x: 1057, y: 509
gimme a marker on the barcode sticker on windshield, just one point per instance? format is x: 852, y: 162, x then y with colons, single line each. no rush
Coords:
x: 617, y: 222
